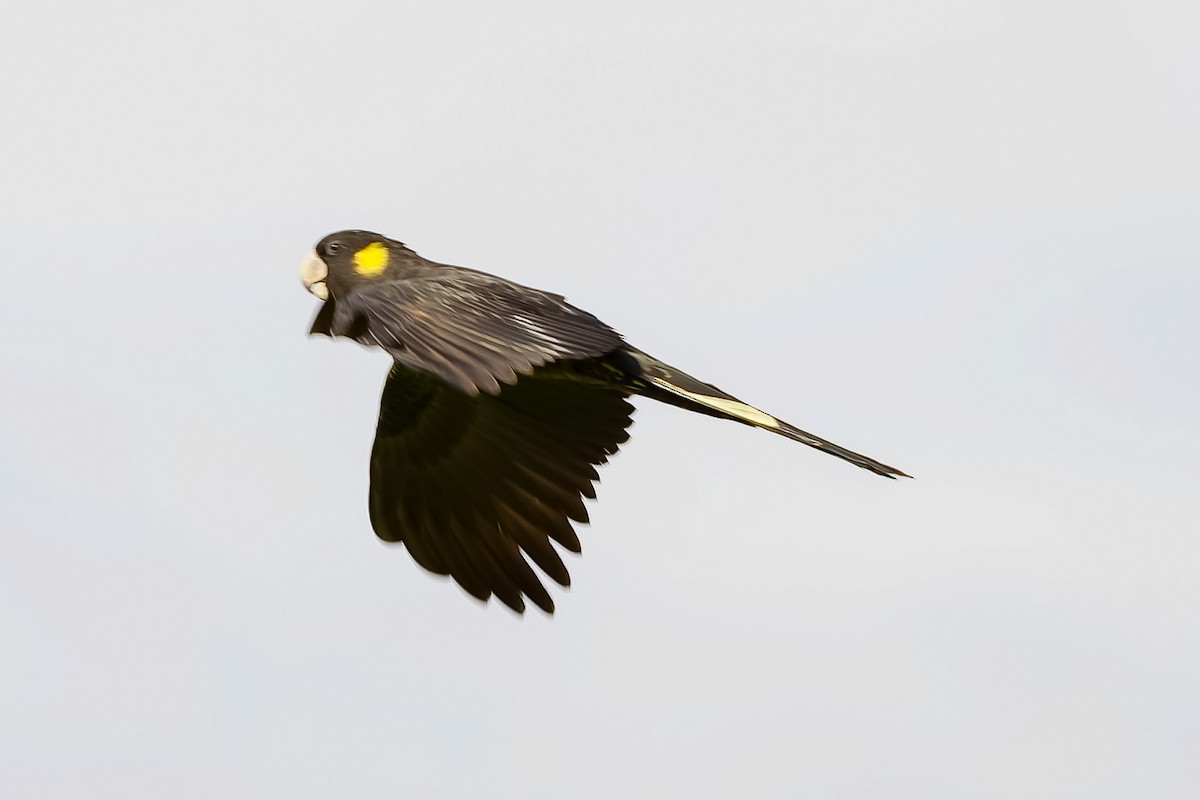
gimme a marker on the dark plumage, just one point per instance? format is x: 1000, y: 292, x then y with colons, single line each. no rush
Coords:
x: 500, y: 404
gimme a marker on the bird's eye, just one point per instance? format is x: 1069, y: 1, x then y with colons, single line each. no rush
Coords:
x: 333, y: 247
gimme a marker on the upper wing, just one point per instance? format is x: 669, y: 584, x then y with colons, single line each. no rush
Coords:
x: 473, y: 484
x: 473, y: 330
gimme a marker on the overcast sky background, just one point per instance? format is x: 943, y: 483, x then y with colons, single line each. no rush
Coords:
x: 961, y: 237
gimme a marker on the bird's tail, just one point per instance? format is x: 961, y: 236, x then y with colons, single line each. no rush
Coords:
x: 669, y: 385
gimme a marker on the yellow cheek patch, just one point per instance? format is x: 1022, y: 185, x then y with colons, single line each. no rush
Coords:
x: 371, y: 260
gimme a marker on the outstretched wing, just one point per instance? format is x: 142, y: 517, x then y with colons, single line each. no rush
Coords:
x: 475, y: 484
x: 473, y: 330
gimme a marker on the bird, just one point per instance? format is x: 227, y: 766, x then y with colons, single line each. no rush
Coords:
x: 500, y: 403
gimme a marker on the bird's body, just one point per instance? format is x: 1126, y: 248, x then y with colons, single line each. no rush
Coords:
x: 500, y: 404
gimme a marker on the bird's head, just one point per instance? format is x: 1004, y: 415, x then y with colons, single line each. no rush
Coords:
x: 346, y: 259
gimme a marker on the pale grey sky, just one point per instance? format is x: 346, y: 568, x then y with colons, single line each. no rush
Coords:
x: 959, y: 237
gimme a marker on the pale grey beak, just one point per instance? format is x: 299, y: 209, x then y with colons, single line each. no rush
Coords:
x: 313, y: 273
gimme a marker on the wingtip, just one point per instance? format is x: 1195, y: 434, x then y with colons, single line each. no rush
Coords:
x: 543, y: 604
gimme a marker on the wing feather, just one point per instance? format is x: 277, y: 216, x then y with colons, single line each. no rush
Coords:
x: 478, y: 486
x: 475, y: 331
